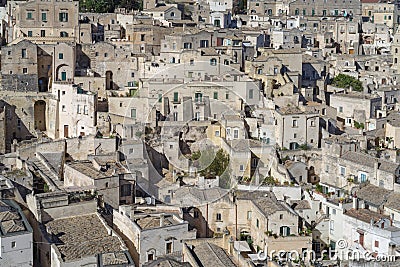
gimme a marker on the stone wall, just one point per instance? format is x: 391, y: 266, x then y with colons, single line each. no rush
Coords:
x: 20, y: 82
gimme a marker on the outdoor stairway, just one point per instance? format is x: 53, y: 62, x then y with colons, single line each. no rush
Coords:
x: 50, y: 177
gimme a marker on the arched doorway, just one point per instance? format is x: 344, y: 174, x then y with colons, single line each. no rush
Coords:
x: 43, y: 84
x: 40, y: 115
x: 109, y: 80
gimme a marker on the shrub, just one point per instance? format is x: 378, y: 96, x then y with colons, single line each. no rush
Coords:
x: 346, y: 81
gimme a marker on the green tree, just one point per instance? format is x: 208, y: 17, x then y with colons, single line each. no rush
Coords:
x: 108, y: 6
x: 346, y: 81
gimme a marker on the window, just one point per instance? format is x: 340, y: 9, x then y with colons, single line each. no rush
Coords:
x: 294, y: 123
x: 203, y: 43
x: 23, y: 53
x: 42, y: 33
x: 213, y: 62
x: 363, y: 177
x: 168, y: 247
x: 249, y: 215
x: 187, y: 45
x: 219, y: 217
x: 198, y: 97
x: 228, y: 132
x: 191, y: 62
x: 159, y: 98
x: 63, y: 16
x: 196, y: 214
x: 30, y: 34
x: 215, y: 95
x: 25, y: 70
x: 133, y: 113
x: 142, y: 37
x: 105, y: 54
x: 63, y: 108
x: 44, y: 17
x: 126, y: 190
x: 172, y: 14
x: 281, y: 216
x: 63, y: 76
x: 227, y: 96
x: 60, y: 56
x: 241, y: 167
x: 258, y: 223
x: 85, y: 110
x: 235, y: 133
x: 217, y: 133
x: 340, y: 109
x: 13, y: 244
x: 334, y: 211
x: 312, y: 123
x: 295, y: 135
x: 342, y: 171
x: 251, y: 94
x: 29, y: 15
x: 376, y: 243
x: 150, y: 256
x: 284, y: 231
x: 78, y: 109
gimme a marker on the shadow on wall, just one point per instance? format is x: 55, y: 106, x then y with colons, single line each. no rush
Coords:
x: 15, y: 128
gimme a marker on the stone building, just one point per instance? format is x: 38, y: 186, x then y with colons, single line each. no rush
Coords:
x: 41, y: 21
x: 16, y: 236
x: 360, y: 111
x: 155, y: 231
x: 106, y: 176
x: 322, y: 8
x: 379, y: 12
x: 295, y: 127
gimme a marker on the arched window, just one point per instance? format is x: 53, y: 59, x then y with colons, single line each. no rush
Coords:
x: 63, y: 34
x: 269, y: 12
x: 213, y: 62
x: 172, y: 14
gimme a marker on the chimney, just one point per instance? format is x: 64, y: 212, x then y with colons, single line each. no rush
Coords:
x: 161, y: 220
x: 355, y: 203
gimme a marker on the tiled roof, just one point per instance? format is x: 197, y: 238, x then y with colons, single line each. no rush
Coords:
x: 365, y: 215
x: 11, y: 219
x: 209, y: 254
x: 367, y: 160
x: 266, y: 202
x: 82, y: 236
x: 393, y: 201
x: 373, y: 194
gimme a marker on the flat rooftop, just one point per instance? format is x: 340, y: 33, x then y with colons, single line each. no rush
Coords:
x: 83, y: 236
x: 87, y: 168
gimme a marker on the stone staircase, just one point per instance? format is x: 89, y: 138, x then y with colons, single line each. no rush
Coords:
x: 48, y: 175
